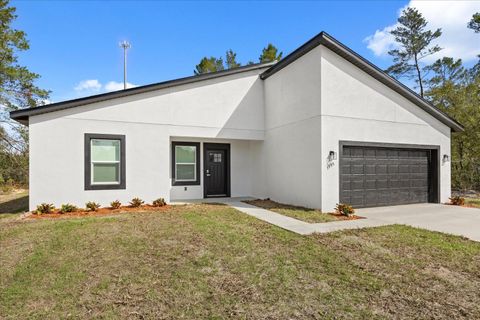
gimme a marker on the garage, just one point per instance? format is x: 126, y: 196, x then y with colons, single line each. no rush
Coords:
x: 374, y: 175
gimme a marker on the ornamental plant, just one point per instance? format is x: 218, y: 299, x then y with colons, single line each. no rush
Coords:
x: 160, y: 202
x: 457, y: 201
x: 44, y: 208
x: 115, y: 204
x: 344, y: 209
x: 92, y: 206
x: 68, y: 208
x: 136, y: 202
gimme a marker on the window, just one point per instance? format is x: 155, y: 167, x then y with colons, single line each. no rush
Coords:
x: 104, y: 162
x: 185, y: 163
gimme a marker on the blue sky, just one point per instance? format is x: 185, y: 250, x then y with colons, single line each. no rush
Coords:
x: 77, y: 41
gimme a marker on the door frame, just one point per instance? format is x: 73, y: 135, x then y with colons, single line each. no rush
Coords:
x: 433, y: 164
x: 216, y: 146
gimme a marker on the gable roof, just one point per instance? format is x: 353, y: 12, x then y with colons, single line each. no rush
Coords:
x: 23, y: 114
x: 348, y: 54
x: 273, y: 67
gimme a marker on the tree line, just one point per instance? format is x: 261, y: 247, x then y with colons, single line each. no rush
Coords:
x: 213, y: 64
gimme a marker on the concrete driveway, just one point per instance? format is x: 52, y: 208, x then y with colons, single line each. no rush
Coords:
x: 436, y: 217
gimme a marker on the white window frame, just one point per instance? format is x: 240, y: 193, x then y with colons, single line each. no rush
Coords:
x: 106, y: 162
x: 188, y: 163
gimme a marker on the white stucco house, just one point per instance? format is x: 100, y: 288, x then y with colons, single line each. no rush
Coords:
x: 319, y: 127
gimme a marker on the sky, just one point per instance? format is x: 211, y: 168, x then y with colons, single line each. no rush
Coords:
x: 74, y: 45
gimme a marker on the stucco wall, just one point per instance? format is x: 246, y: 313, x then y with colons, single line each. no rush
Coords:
x: 228, y: 108
x: 292, y: 132
x: 356, y: 107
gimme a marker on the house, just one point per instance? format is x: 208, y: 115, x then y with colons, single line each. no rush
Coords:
x: 319, y: 127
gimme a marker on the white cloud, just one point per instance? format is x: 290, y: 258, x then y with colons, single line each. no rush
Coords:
x: 93, y: 86
x: 451, y: 16
x: 89, y: 85
x: 115, y: 86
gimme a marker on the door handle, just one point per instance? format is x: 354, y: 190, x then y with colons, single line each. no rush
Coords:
x: 207, y: 173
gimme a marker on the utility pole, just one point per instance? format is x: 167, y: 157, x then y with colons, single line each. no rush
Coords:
x: 125, y: 45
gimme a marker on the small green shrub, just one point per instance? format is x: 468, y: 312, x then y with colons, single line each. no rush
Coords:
x: 115, y: 204
x: 136, y: 202
x: 7, y: 186
x: 92, y: 206
x: 160, y: 202
x: 344, y: 209
x: 457, y: 201
x: 44, y: 208
x: 68, y: 208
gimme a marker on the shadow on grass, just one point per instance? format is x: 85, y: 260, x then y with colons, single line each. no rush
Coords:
x: 14, y: 205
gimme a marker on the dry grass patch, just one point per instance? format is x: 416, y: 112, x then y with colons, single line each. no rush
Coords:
x: 300, y: 213
x: 211, y: 261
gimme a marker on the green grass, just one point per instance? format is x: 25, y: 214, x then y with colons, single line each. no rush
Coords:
x: 474, y: 202
x: 213, y: 262
x: 300, y: 213
x: 12, y: 204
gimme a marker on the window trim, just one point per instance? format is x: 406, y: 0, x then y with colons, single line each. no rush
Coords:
x: 197, y: 164
x: 89, y: 185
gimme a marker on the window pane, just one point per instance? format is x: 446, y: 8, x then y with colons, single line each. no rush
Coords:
x: 105, y: 150
x: 185, y: 172
x: 185, y: 154
x: 106, y: 173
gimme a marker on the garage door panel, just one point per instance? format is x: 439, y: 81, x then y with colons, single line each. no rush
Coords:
x: 383, y: 176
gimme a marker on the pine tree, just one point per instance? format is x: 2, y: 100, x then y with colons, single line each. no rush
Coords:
x: 414, y: 44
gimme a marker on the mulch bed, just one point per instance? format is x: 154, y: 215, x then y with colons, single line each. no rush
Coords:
x: 100, y: 212
x: 342, y: 217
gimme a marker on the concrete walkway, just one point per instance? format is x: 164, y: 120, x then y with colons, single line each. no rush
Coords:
x: 302, y: 227
x: 435, y: 217
x: 454, y: 220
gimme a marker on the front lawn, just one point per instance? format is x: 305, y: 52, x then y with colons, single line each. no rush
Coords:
x: 211, y: 261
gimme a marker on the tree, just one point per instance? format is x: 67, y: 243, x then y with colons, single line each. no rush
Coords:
x: 474, y: 24
x: 17, y: 91
x: 231, y: 59
x: 456, y: 91
x: 207, y: 65
x: 414, y: 45
x: 269, y: 53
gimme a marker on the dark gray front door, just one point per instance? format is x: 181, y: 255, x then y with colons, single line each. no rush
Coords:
x: 376, y: 176
x: 216, y: 167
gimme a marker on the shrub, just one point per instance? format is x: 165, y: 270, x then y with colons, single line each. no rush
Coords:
x: 136, y: 202
x: 44, y: 208
x: 344, y: 209
x: 115, y: 204
x: 68, y: 208
x: 92, y: 206
x: 160, y: 202
x: 457, y: 201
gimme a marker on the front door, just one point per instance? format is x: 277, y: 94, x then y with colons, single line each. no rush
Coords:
x: 216, y: 170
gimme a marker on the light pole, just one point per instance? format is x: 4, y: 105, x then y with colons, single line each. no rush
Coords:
x: 125, y: 45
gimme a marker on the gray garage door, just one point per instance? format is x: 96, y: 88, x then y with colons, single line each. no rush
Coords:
x: 372, y: 176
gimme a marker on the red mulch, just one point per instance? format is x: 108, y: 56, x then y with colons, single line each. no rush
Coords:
x: 99, y: 212
x: 342, y: 217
